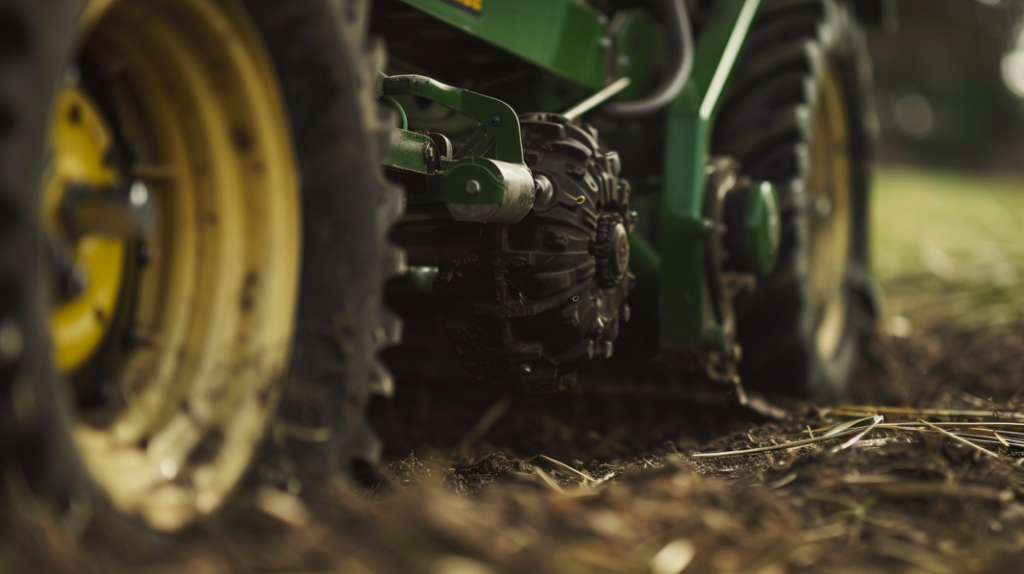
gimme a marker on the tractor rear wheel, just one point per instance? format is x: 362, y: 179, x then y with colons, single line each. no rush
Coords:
x: 186, y: 196
x: 798, y: 113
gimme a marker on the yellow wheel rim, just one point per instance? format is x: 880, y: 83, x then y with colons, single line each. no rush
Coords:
x: 80, y: 139
x: 195, y: 93
x: 831, y: 194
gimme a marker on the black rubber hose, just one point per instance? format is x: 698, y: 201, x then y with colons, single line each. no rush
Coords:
x: 666, y: 94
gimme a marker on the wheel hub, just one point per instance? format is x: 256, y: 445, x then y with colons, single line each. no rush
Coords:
x: 207, y: 198
x: 90, y: 267
x: 611, y: 251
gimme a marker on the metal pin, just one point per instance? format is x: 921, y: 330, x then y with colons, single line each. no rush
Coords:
x: 597, y: 99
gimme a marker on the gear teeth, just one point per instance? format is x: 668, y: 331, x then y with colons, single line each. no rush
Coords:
x: 382, y: 383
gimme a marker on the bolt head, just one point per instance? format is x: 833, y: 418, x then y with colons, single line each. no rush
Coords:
x: 472, y: 187
x: 138, y: 195
x: 496, y: 120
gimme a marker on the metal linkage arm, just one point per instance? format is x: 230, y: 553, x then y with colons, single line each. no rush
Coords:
x: 474, y: 188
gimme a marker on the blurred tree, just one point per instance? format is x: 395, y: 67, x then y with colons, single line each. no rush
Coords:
x: 942, y: 94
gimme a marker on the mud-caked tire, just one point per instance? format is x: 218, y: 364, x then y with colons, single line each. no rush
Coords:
x: 539, y: 300
x: 327, y: 73
x: 798, y: 113
x: 330, y: 74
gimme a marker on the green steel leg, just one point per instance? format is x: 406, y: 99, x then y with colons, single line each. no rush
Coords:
x: 684, y: 320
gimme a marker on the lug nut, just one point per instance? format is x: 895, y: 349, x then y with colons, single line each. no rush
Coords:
x: 139, y: 194
x: 429, y: 155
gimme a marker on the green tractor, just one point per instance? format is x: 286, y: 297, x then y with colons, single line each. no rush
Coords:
x: 215, y: 213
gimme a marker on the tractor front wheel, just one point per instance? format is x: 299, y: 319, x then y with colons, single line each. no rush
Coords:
x: 798, y: 113
x: 187, y: 197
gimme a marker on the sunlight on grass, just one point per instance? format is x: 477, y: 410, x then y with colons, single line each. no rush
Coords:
x: 949, y: 245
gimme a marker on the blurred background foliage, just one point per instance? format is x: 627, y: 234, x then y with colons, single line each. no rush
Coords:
x: 950, y: 84
x: 949, y: 202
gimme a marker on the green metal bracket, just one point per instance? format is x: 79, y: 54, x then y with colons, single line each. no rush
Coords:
x: 639, y: 43
x: 761, y: 228
x: 446, y: 181
x: 411, y: 151
x: 566, y: 37
x: 475, y: 188
x: 480, y: 189
x: 497, y: 119
x: 684, y: 322
x: 453, y: 183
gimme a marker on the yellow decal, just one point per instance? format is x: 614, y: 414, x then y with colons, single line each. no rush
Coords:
x: 475, y: 6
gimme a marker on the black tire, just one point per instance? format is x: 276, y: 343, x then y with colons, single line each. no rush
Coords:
x: 35, y: 444
x: 328, y: 70
x: 766, y: 123
x: 546, y: 297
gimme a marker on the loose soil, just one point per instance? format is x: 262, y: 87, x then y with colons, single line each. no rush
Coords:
x: 603, y: 481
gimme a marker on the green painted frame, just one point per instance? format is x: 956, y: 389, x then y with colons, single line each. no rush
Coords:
x: 571, y: 40
x: 684, y: 321
x: 564, y: 37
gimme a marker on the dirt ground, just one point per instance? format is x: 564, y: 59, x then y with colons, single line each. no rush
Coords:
x: 549, y: 492
x: 601, y: 480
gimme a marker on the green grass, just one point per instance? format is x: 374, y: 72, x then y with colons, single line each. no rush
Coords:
x: 949, y: 246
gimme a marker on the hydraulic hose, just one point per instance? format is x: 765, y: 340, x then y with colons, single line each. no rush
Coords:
x: 394, y: 103
x: 660, y: 99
